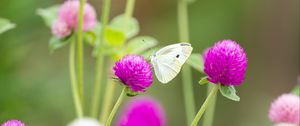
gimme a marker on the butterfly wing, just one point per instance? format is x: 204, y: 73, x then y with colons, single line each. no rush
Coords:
x: 168, y: 61
x: 166, y: 68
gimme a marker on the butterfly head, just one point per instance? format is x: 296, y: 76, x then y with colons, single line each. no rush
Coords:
x: 153, y: 55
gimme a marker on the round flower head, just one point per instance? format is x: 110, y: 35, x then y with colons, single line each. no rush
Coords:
x: 285, y: 109
x: 285, y: 124
x: 134, y: 71
x: 225, y: 63
x: 13, y: 123
x: 60, y: 29
x: 85, y: 122
x: 142, y: 111
x: 69, y: 12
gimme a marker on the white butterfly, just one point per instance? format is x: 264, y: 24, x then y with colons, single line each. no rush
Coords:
x: 168, y: 61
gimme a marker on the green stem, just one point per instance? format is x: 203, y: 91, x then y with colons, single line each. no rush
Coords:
x: 97, y: 85
x: 296, y: 90
x: 206, y: 103
x: 116, y: 107
x: 80, y: 51
x: 129, y: 8
x: 100, y: 60
x: 188, y: 93
x: 110, y: 89
x: 209, y: 114
x: 74, y: 85
x: 105, y: 17
x: 128, y: 12
x: 183, y: 22
x: 109, y: 95
x: 186, y: 70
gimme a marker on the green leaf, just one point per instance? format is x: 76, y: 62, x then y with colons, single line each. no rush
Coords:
x: 97, y: 32
x: 90, y: 38
x: 98, y: 44
x: 203, y: 81
x: 296, y: 90
x: 108, y: 49
x: 229, y: 92
x: 140, y: 44
x: 114, y: 36
x: 56, y: 43
x: 48, y: 14
x: 5, y: 25
x: 196, y: 61
x: 129, y: 26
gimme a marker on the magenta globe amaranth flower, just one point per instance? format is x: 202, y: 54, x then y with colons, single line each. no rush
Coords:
x: 134, y: 71
x: 285, y: 109
x: 69, y: 12
x: 142, y: 111
x: 13, y: 123
x: 225, y: 63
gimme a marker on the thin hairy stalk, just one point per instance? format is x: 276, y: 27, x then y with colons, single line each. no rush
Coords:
x: 206, y: 103
x: 97, y: 85
x: 100, y: 60
x: 74, y: 86
x: 116, y: 107
x: 186, y: 70
x: 80, y: 51
x: 188, y: 93
x: 209, y: 114
x: 109, y: 95
x: 129, y: 8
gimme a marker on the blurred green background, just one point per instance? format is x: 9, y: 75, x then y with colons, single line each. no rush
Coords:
x: 35, y: 87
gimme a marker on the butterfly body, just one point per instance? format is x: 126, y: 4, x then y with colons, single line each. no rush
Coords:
x: 168, y: 61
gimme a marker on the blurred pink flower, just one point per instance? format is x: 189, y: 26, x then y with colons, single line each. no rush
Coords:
x: 285, y: 109
x: 69, y: 12
x: 60, y: 29
x: 285, y: 124
x: 142, y: 111
x: 13, y: 123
